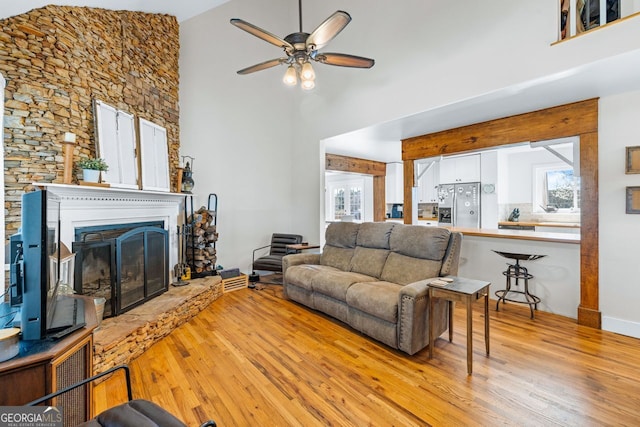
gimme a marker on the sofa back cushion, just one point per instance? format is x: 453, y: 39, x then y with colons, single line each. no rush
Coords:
x: 372, y: 248
x: 402, y: 269
x: 416, y: 253
x: 418, y: 241
x: 375, y: 235
x: 368, y: 261
x: 340, y: 243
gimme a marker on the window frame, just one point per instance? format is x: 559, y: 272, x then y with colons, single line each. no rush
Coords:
x: 539, y: 189
x: 346, y: 185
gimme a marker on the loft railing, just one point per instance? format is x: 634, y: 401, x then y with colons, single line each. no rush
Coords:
x: 578, y: 16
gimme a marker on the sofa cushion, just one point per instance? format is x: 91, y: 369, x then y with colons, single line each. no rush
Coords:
x: 404, y: 269
x: 379, y: 299
x: 339, y: 258
x: 418, y: 241
x: 368, y: 261
x: 342, y: 234
x: 336, y: 283
x: 302, y: 275
x: 374, y: 234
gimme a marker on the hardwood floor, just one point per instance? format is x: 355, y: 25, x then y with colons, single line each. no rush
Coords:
x: 252, y: 358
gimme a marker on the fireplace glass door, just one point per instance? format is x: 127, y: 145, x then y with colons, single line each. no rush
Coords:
x: 142, y: 265
x: 126, y: 270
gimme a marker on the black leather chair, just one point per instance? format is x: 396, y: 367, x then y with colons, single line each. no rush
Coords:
x: 278, y: 249
x: 134, y: 413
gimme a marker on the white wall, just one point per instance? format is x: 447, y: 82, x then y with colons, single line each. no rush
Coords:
x: 556, y: 279
x: 257, y: 143
x: 489, y: 201
x: 618, y: 127
x: 241, y: 130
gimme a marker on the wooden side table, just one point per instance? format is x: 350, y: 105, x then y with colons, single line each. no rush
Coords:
x: 300, y: 247
x: 466, y: 291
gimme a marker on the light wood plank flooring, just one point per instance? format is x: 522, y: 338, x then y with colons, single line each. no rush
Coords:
x: 252, y: 358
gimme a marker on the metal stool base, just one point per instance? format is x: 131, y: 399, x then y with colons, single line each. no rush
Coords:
x: 518, y: 272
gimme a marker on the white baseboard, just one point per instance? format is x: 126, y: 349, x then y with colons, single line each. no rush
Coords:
x: 619, y: 326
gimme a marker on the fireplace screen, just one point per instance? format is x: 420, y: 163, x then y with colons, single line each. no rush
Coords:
x: 125, y: 270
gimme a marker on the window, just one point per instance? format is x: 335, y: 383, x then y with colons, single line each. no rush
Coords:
x: 556, y: 186
x: 346, y: 200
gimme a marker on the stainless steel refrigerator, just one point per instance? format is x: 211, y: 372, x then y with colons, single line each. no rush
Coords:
x: 459, y: 205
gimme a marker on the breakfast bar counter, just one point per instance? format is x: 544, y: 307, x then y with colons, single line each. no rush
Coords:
x: 540, y: 236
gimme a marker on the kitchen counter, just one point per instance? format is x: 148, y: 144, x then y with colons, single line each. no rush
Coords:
x: 540, y: 236
x: 541, y: 224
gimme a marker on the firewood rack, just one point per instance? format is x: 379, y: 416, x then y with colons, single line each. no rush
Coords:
x: 193, y: 243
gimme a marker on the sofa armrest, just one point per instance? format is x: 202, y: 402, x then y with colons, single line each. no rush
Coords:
x: 413, y: 316
x: 298, y: 259
x: 418, y: 289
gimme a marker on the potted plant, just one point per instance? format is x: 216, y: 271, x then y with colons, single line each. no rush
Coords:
x: 91, y: 168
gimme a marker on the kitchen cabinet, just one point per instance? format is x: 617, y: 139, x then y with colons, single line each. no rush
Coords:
x: 460, y: 169
x: 394, y: 183
x: 428, y: 185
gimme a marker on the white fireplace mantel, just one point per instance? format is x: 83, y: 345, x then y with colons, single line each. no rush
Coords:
x: 86, y: 206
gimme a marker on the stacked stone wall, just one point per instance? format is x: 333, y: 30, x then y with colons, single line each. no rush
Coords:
x: 56, y: 61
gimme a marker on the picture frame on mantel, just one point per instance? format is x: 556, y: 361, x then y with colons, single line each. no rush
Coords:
x: 632, y: 160
x: 633, y: 200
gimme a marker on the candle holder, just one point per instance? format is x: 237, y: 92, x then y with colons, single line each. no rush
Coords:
x: 68, y: 147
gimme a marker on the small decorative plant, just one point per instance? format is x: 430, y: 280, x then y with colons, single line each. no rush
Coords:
x: 93, y: 163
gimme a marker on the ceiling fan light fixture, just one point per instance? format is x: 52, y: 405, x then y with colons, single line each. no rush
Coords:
x: 307, y: 73
x: 308, y: 84
x: 301, y: 48
x: 290, y: 76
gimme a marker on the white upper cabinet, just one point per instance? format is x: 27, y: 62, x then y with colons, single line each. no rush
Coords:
x: 394, y: 184
x: 460, y: 169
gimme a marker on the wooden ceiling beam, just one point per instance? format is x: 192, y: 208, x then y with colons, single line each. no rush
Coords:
x: 334, y: 162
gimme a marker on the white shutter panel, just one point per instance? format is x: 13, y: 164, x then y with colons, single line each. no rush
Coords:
x: 154, y: 154
x: 116, y: 144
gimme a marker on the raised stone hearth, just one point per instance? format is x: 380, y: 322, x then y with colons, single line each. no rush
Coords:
x: 121, y: 339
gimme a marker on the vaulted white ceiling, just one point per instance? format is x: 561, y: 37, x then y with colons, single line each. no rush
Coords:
x: 382, y: 141
x: 181, y: 9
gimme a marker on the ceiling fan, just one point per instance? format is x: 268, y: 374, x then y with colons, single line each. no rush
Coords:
x: 301, y: 48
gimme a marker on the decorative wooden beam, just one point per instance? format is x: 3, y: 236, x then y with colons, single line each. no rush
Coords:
x: 576, y: 119
x: 557, y: 122
x: 334, y: 162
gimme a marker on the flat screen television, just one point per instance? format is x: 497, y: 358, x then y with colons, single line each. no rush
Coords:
x: 35, y: 272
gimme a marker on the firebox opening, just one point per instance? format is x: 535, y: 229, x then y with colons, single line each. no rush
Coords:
x: 127, y: 264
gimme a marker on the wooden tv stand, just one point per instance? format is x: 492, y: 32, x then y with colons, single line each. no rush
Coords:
x: 49, y: 366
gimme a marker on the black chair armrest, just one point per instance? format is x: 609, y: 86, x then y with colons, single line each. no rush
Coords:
x: 127, y: 375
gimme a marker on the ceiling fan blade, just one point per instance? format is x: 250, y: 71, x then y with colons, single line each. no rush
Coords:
x: 263, y: 66
x: 260, y: 33
x: 344, y: 60
x: 328, y: 29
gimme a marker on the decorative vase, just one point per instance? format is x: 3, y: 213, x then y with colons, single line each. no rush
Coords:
x: 91, y: 175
